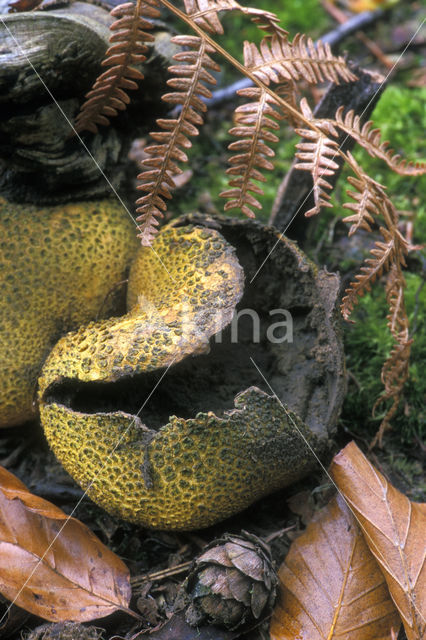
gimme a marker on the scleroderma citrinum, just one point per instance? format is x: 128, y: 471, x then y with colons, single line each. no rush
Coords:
x: 144, y: 411
x: 58, y: 266
x: 161, y: 413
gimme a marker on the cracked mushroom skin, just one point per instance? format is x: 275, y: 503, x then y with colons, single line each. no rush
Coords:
x: 191, y: 471
x: 58, y: 266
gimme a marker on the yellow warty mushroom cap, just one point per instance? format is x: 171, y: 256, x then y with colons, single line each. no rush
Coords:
x: 58, y: 266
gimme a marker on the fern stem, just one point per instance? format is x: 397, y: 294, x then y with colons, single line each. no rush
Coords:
x: 246, y: 72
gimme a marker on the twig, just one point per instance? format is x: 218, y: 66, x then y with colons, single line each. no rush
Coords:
x: 278, y: 534
x: 160, y: 575
x: 343, y: 19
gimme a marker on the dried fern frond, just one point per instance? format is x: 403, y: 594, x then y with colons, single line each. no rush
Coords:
x: 189, y: 87
x: 395, y: 371
x: 108, y: 95
x: 385, y: 254
x: 367, y: 203
x: 278, y: 60
x: 373, y: 202
x: 254, y: 125
x: 370, y: 139
x: 204, y: 13
x: 397, y: 317
x: 316, y: 154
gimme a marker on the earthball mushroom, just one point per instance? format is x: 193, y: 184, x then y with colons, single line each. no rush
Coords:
x: 221, y: 383
x: 60, y: 267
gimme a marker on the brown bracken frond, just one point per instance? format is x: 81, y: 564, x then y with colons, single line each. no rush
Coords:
x: 372, y: 201
x: 278, y: 60
x: 204, y: 13
x: 384, y: 255
x: 316, y: 154
x: 367, y: 203
x: 189, y: 87
x: 395, y: 371
x: 108, y: 95
x: 253, y: 130
x: 371, y: 141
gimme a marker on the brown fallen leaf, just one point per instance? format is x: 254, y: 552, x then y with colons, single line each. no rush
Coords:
x: 331, y: 586
x: 395, y: 530
x: 69, y: 577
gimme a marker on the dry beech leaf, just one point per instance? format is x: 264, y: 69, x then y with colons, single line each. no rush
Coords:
x: 78, y: 578
x: 331, y: 586
x: 395, y: 530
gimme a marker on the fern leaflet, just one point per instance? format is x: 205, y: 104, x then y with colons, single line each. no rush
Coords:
x: 254, y: 123
x: 370, y: 139
x: 367, y: 203
x: 108, y: 95
x: 204, y: 13
x: 395, y: 370
x: 384, y: 255
x: 316, y: 154
x: 189, y: 85
x: 278, y: 60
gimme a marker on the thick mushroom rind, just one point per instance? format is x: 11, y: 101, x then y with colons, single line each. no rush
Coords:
x: 191, y: 473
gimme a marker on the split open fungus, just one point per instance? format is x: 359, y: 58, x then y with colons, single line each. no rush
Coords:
x: 162, y: 414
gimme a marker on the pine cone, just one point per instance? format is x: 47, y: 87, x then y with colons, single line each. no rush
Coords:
x: 233, y: 583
